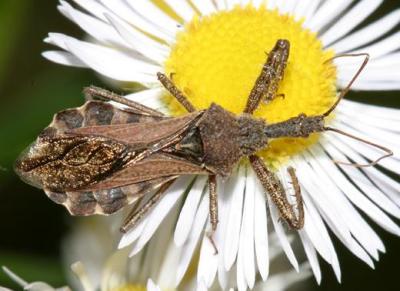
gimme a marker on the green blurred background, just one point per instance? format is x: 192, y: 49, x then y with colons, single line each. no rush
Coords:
x: 32, y: 90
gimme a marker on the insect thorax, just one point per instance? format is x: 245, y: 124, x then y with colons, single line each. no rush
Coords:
x: 227, y: 138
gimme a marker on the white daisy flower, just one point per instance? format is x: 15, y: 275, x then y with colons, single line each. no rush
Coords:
x: 215, y: 50
x: 101, y: 268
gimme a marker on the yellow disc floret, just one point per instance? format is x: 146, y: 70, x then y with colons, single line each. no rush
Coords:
x: 217, y: 58
x: 131, y: 287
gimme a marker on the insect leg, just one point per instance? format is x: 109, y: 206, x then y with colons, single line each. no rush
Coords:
x: 212, y: 184
x: 275, y: 189
x: 271, y: 74
x: 93, y: 92
x: 170, y: 86
x: 137, y: 214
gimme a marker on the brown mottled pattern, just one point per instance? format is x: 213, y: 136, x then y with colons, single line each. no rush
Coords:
x: 104, y: 202
x: 69, y: 163
x: 93, y: 113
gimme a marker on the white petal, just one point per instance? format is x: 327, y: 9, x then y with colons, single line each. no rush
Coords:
x: 224, y: 200
x: 98, y: 29
x: 161, y: 254
x: 209, y: 261
x: 340, y: 219
x: 282, y: 235
x: 112, y: 63
x: 204, y: 6
x: 315, y: 231
x: 372, y: 86
x: 392, y: 59
x: 377, y: 75
x: 221, y: 4
x: 64, y: 58
x: 39, y: 286
x: 93, y: 7
x: 272, y: 4
x: 189, y: 248
x: 246, y: 242
x: 370, y: 110
x: 153, y: 14
x: 260, y: 227
x: 352, y: 18
x: 391, y: 141
x: 390, y: 137
x: 383, y: 47
x: 284, y: 280
x: 311, y: 256
x: 306, y: 9
x: 318, y: 234
x: 188, y: 211
x: 364, y: 204
x: 149, y: 97
x: 328, y: 11
x: 235, y: 218
x: 201, y: 286
x: 151, y: 286
x: 138, y: 41
x: 353, y: 219
x: 240, y: 278
x: 364, y: 228
x: 133, y: 234
x: 17, y: 279
x: 157, y: 214
x: 124, y: 11
x: 182, y: 8
x: 359, y: 228
x: 368, y: 33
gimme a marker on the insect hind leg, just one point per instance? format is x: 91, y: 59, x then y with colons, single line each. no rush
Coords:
x: 212, y: 184
x: 274, y: 188
x: 136, y: 215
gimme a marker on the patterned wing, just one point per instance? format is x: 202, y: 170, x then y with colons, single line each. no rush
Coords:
x: 125, y: 186
x: 94, y: 113
x: 80, y: 161
x: 104, y: 202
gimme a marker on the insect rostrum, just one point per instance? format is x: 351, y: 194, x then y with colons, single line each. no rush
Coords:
x: 98, y: 158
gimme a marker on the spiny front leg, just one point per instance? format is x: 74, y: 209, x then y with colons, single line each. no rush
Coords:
x: 93, y: 93
x: 212, y: 184
x: 170, y: 86
x: 275, y: 189
x: 271, y: 74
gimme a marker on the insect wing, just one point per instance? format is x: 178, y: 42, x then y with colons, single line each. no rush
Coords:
x: 156, y: 166
x: 105, y: 202
x: 139, y: 135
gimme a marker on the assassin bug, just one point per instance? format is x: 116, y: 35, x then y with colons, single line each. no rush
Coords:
x: 98, y: 158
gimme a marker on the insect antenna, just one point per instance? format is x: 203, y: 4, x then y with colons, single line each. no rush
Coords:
x: 357, y: 74
x: 389, y: 152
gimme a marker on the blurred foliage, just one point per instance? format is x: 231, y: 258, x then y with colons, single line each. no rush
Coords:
x: 12, y: 14
x: 31, y: 91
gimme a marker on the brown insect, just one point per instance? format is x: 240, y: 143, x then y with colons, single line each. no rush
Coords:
x: 97, y: 158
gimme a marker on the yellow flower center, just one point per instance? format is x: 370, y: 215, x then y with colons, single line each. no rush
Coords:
x: 131, y: 287
x: 134, y: 287
x: 217, y: 58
